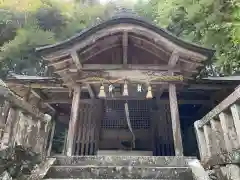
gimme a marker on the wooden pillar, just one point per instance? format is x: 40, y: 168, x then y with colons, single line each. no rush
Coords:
x: 177, y: 137
x: 51, y: 138
x: 73, y: 120
x: 65, y: 142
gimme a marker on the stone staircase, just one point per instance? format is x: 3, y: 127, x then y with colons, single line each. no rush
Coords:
x: 121, y: 167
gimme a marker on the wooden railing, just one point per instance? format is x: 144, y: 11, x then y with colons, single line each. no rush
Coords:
x: 22, y: 124
x: 218, y: 137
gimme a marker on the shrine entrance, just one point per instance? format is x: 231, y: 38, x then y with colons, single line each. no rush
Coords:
x: 109, y: 130
x: 149, y: 134
x: 123, y: 66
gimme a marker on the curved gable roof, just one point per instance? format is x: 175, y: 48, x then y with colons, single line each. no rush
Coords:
x: 130, y: 19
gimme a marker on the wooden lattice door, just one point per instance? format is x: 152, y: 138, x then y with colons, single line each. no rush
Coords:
x: 114, y: 126
x: 161, y: 129
x: 87, y: 136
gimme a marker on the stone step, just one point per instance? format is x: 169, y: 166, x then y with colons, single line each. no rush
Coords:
x: 120, y: 172
x: 161, y: 161
x: 111, y: 179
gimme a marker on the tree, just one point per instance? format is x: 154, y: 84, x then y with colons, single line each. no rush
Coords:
x: 27, y: 24
x: 210, y: 23
x: 33, y: 23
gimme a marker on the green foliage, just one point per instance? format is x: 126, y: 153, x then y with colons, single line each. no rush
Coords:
x: 210, y: 23
x: 27, y: 24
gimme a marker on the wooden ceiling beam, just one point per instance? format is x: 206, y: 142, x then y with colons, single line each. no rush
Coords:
x: 140, y: 32
x: 78, y: 63
x: 99, y: 52
x: 129, y: 66
x: 117, y: 81
x: 59, y: 61
x: 173, y: 59
x: 191, y: 62
x: 40, y: 96
x: 125, y: 48
x: 76, y: 60
x: 149, y: 42
x: 90, y: 90
x: 107, y: 41
x: 162, y: 101
x: 149, y: 51
x: 55, y: 56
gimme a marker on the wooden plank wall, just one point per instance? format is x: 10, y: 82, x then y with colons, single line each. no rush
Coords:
x: 88, y: 128
x: 162, y: 136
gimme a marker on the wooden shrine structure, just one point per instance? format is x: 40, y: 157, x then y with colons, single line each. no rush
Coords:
x: 125, y: 84
x: 124, y: 52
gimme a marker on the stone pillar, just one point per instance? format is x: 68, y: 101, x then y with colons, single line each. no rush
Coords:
x: 235, y: 109
x: 200, y: 140
x: 229, y: 131
x: 210, y: 142
x: 47, y: 119
x: 73, y: 120
x: 218, y: 136
x: 9, y: 127
x: 177, y: 137
x: 38, y: 136
x: 3, y: 117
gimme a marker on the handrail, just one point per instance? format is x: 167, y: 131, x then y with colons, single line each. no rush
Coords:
x: 231, y: 99
x: 18, y: 102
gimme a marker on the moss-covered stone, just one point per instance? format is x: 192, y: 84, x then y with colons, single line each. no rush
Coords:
x: 17, y: 161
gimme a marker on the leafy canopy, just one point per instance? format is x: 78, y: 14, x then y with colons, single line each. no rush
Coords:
x: 27, y: 24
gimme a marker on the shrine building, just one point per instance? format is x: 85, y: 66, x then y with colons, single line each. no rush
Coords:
x: 124, y: 87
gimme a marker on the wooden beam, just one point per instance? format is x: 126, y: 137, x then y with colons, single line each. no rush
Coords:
x: 99, y: 52
x: 128, y: 66
x: 141, y: 32
x: 59, y: 61
x: 68, y: 101
x: 79, y: 67
x: 149, y: 43
x: 90, y: 90
x: 55, y: 56
x: 73, y: 120
x: 150, y: 51
x: 121, y: 81
x: 173, y: 59
x: 76, y: 60
x: 177, y: 137
x: 106, y: 42
x: 192, y: 62
x: 51, y: 86
x: 225, y: 104
x: 125, y: 48
x: 42, y: 98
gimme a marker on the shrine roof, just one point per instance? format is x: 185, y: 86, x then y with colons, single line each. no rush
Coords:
x: 126, y: 17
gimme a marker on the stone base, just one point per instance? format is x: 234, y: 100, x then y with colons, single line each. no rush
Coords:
x: 123, y: 153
